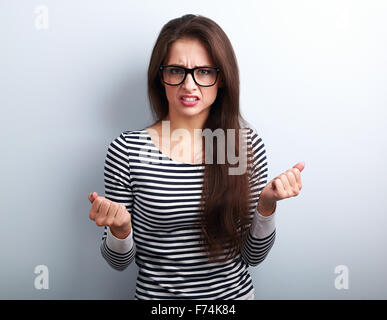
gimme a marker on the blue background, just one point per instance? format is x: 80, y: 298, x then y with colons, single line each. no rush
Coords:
x: 313, y: 83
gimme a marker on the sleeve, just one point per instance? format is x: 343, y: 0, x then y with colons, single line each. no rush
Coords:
x: 261, y: 234
x: 119, y: 253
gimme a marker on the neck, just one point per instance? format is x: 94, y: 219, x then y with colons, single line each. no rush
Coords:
x: 193, y: 125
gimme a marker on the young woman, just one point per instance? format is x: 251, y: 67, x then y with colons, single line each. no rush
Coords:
x: 191, y: 226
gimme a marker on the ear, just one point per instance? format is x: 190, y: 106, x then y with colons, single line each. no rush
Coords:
x: 220, y: 85
x: 161, y: 81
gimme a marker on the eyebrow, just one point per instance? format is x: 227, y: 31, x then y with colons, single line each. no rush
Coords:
x: 181, y: 65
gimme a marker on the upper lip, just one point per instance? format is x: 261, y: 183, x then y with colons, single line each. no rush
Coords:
x: 189, y: 96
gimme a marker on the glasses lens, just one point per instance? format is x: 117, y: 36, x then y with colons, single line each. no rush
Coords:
x: 173, y: 75
x: 205, y: 76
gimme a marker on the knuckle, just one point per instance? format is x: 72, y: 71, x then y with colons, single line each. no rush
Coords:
x: 99, y: 222
x: 105, y: 202
x: 110, y: 209
x: 117, y: 207
x: 104, y: 206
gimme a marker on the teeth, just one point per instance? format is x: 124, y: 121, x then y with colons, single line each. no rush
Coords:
x: 189, y: 99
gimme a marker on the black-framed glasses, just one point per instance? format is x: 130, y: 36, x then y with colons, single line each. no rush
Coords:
x: 175, y: 75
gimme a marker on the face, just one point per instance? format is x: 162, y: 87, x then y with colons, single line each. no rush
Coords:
x: 190, y: 53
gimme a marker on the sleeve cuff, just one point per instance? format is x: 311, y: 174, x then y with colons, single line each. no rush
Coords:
x: 119, y: 245
x: 262, y: 226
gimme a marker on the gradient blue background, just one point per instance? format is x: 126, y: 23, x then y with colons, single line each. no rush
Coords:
x: 313, y: 83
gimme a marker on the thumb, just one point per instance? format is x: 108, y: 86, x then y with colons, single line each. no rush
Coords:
x: 92, y: 196
x: 300, y: 166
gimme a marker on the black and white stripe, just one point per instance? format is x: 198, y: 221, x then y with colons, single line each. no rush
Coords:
x: 163, y: 197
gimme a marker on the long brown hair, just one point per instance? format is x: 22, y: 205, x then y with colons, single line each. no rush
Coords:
x: 225, y: 197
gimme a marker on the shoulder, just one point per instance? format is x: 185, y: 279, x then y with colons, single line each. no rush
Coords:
x: 126, y: 136
x: 255, y: 143
x: 125, y: 139
x: 252, y: 134
x: 133, y: 134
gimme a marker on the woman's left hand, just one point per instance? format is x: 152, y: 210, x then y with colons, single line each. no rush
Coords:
x: 286, y: 185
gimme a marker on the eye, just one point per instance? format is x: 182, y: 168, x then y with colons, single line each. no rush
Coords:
x: 205, y: 71
x: 176, y: 71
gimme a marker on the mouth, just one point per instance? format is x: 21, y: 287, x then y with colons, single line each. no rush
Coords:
x: 189, y: 100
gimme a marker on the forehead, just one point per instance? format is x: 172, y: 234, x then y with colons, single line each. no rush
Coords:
x: 188, y: 52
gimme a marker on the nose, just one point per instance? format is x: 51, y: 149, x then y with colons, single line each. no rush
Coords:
x: 189, y: 82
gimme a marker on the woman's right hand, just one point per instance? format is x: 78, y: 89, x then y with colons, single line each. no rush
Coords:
x: 109, y: 213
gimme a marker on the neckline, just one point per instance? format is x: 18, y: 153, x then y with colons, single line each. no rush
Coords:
x: 165, y: 156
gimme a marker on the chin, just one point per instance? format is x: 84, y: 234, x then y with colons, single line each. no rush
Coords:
x: 193, y: 110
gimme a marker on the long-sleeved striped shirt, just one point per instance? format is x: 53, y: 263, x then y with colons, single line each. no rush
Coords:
x: 162, y: 195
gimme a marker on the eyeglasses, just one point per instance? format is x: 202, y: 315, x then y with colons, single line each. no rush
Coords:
x: 175, y: 75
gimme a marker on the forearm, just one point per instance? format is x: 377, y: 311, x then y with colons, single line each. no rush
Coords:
x: 261, y: 236
x: 119, y: 253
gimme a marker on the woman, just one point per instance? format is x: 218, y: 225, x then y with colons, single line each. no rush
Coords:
x: 191, y: 227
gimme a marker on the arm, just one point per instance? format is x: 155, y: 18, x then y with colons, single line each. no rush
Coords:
x: 261, y: 234
x: 117, y: 251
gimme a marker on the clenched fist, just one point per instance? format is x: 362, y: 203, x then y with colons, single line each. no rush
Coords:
x: 109, y: 213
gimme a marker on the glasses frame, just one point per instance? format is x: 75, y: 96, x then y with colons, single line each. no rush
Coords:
x: 190, y: 71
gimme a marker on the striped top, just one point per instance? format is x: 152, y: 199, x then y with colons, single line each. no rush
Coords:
x: 162, y: 195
